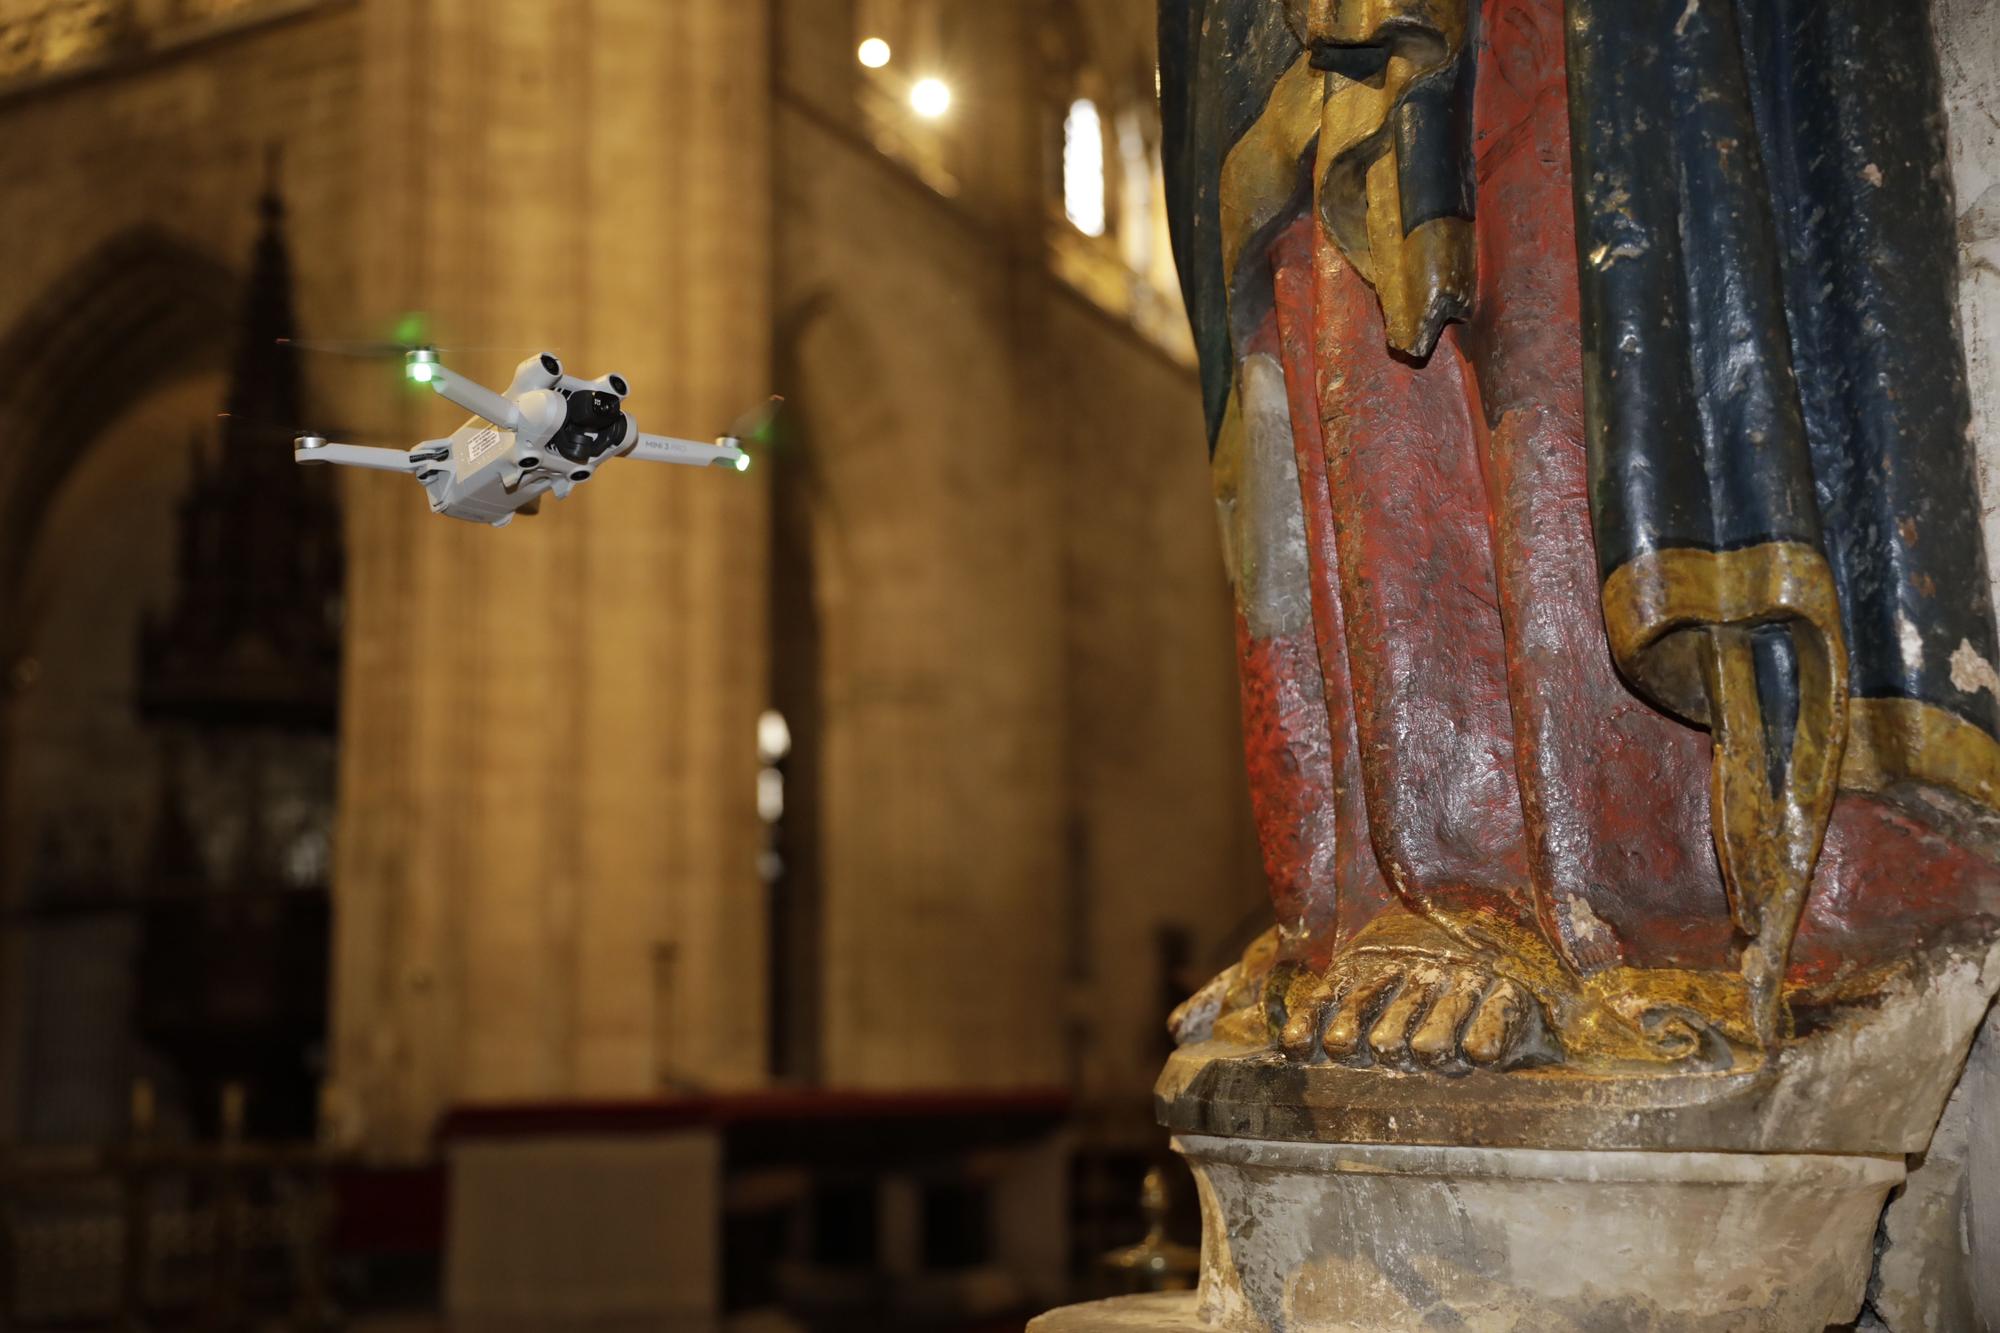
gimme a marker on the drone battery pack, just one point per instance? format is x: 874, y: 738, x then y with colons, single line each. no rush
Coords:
x: 481, y: 458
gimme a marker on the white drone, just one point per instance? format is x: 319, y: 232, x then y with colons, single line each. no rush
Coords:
x: 549, y: 432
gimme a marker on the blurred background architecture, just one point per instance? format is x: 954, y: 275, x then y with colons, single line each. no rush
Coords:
x: 786, y: 873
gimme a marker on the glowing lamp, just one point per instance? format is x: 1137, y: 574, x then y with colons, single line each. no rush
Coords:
x: 930, y: 98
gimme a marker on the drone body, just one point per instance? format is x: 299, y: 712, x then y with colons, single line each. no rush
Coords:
x: 549, y: 432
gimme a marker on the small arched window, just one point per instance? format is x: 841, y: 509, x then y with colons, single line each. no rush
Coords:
x: 1083, y: 167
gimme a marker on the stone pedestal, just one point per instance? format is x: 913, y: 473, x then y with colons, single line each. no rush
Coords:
x: 1168, y: 1312
x: 1354, y: 1238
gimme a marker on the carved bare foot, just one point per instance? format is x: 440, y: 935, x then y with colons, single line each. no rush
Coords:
x: 1403, y: 993
x: 1409, y: 992
x: 1412, y: 1007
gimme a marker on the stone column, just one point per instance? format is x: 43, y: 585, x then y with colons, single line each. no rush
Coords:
x: 545, y: 884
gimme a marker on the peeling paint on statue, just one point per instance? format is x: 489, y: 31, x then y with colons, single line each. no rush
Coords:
x: 1623, y: 730
x: 1527, y: 673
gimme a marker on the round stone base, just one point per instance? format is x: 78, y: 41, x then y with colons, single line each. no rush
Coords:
x: 1174, y: 1312
x: 1350, y: 1238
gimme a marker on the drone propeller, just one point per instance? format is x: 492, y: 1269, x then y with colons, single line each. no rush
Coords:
x: 383, y: 348
x: 755, y: 425
x: 411, y: 334
x: 367, y: 348
x: 270, y: 426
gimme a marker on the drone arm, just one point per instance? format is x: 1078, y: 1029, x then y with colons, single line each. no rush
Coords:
x: 476, y: 399
x: 356, y: 455
x: 667, y: 449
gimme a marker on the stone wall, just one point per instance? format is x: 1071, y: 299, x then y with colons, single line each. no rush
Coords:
x: 939, y: 589
x: 1160, y: 805
x: 546, y: 856
x: 1032, y: 751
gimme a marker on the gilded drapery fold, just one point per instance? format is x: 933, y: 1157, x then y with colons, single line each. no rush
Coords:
x: 1395, y: 153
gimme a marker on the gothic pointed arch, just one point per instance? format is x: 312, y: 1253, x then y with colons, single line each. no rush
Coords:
x: 143, y: 309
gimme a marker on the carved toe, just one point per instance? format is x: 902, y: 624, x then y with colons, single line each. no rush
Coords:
x: 1490, y: 1035
x: 1299, y: 1037
x: 1389, y: 1038
x: 1354, y: 1015
x: 1437, y: 1037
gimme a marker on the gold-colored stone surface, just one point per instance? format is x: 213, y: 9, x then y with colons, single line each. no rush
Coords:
x: 51, y: 37
x: 1424, y: 276
x: 1905, y: 1026
x: 1473, y: 989
x: 1350, y: 22
x: 1261, y: 172
x: 1894, y: 740
x: 1680, y: 623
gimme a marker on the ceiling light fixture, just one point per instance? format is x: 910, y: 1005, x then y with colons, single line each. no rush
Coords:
x: 930, y: 98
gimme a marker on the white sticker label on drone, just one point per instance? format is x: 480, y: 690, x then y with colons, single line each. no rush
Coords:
x: 483, y: 444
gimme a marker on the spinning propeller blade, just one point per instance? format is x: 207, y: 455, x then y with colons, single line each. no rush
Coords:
x: 754, y: 426
x: 412, y: 332
x: 356, y: 347
x: 388, y: 349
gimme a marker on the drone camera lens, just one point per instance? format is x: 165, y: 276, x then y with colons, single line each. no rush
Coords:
x: 579, y: 476
x: 530, y: 463
x: 618, y: 385
x: 550, y: 364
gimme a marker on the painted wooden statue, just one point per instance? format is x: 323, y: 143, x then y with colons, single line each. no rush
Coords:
x: 1590, y: 439
x: 1593, y: 446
